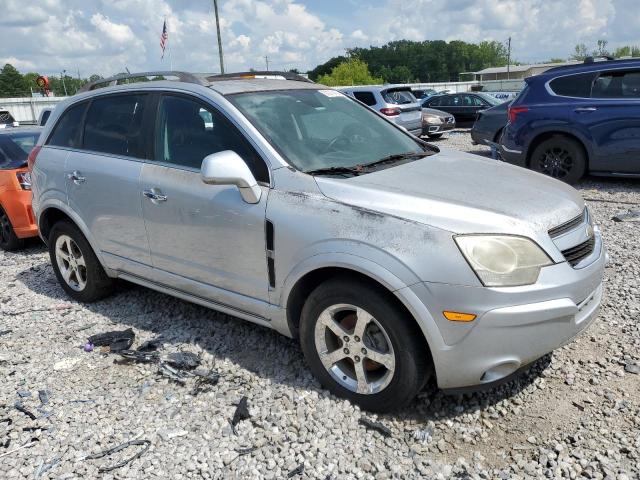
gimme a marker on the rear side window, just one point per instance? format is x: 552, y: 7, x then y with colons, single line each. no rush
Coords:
x: 398, y: 97
x: 66, y: 133
x: 365, y: 97
x: 114, y: 125
x: 617, y: 85
x: 573, y: 85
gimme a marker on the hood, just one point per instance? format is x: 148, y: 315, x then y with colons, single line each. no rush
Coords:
x: 461, y: 193
x: 433, y: 111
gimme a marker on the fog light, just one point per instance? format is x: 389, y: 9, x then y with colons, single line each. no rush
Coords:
x: 459, y: 316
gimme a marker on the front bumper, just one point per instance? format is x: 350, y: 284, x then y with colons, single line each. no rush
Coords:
x: 514, y: 325
x: 428, y: 129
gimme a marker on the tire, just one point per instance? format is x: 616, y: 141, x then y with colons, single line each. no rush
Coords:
x: 397, y: 338
x: 9, y: 241
x: 560, y: 157
x: 435, y: 136
x: 86, y: 283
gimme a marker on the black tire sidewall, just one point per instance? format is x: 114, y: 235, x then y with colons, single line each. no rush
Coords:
x: 99, y: 284
x: 411, y: 370
x: 14, y: 243
x: 574, y: 148
x: 435, y: 136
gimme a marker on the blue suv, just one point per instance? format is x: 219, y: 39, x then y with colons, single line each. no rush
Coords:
x: 576, y: 119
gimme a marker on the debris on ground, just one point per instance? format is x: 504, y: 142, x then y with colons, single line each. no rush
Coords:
x: 85, y: 327
x: 5, y: 332
x: 632, y: 368
x: 103, y: 469
x: 30, y: 443
x: 423, y: 435
x: 45, y: 467
x: 139, y: 357
x: 171, y: 434
x: 44, y: 396
x: 377, y: 426
x: 21, y: 408
x: 66, y: 364
x: 204, y: 381
x: 23, y: 393
x: 627, y: 216
x: 241, y: 413
x: 116, y: 340
x: 174, y: 374
x: 183, y: 360
x: 151, y: 345
x: 246, y: 451
x: 88, y: 347
x: 299, y: 470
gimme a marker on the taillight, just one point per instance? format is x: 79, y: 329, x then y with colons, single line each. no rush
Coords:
x: 31, y: 159
x: 514, y: 111
x: 24, y: 179
x: 390, y: 112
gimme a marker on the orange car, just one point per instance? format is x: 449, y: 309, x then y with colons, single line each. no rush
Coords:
x: 17, y: 221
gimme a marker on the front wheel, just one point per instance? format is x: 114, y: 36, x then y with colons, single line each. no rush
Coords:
x: 434, y: 136
x: 560, y: 157
x: 362, y: 346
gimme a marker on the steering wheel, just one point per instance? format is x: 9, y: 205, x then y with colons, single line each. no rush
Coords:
x: 335, y: 144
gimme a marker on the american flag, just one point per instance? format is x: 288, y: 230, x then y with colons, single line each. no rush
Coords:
x: 164, y: 38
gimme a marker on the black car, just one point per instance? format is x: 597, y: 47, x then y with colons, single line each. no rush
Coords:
x: 489, y: 124
x: 463, y: 106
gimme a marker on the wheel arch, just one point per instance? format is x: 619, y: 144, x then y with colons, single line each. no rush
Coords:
x: 543, y: 136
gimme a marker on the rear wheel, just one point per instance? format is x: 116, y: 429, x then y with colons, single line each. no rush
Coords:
x: 434, y: 136
x: 9, y: 241
x: 362, y: 347
x: 75, y: 264
x: 560, y: 157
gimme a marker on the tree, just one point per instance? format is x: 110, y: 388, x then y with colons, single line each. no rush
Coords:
x: 601, y: 49
x: 350, y: 72
x: 579, y: 52
x: 12, y: 83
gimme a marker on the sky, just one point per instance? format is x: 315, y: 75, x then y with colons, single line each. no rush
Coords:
x: 107, y: 36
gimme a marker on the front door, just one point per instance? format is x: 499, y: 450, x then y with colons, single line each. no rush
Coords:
x: 201, y: 232
x: 103, y: 178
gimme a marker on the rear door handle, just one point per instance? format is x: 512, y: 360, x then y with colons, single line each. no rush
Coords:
x: 76, y: 177
x: 152, y: 195
x: 585, y: 109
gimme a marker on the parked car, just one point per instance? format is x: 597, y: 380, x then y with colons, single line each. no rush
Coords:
x: 489, y: 125
x: 17, y: 221
x: 436, y: 122
x: 396, y: 103
x: 463, y: 106
x: 302, y: 210
x: 7, y: 120
x: 45, y: 113
x: 422, y: 93
x: 576, y: 119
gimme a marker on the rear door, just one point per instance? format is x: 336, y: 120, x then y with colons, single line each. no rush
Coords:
x: 410, y: 110
x: 199, y: 232
x: 103, y: 178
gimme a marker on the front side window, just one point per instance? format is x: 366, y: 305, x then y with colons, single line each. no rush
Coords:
x: 188, y: 131
x: 573, y: 85
x: 365, y: 97
x: 114, y: 125
x: 318, y: 129
x: 617, y: 85
x: 66, y: 133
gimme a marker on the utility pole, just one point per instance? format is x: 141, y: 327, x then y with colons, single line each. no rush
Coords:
x: 63, y: 84
x: 266, y: 59
x: 215, y: 9
x: 508, y: 57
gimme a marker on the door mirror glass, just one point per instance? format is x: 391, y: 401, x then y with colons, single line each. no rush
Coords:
x: 227, y: 168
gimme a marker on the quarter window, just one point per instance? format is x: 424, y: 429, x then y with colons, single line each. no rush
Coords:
x: 66, y: 133
x: 365, y: 97
x: 114, y: 125
x: 617, y: 85
x: 573, y: 85
x: 188, y: 131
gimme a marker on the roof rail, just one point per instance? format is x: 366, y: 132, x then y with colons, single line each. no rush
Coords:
x: 106, y: 82
x: 592, y: 59
x: 259, y: 74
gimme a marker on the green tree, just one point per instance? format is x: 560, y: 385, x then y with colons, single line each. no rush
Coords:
x: 350, y: 72
x: 601, y: 49
x: 12, y: 83
x: 579, y: 52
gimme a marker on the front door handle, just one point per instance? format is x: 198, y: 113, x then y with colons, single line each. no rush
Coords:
x: 154, y: 196
x: 76, y: 177
x: 585, y: 109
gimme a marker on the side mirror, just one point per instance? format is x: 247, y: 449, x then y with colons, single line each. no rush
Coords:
x: 227, y: 168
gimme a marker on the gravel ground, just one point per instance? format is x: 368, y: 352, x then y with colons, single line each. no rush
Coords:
x: 574, y: 414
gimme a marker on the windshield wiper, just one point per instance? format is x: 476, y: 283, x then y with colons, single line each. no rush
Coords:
x: 395, y: 158
x: 355, y: 170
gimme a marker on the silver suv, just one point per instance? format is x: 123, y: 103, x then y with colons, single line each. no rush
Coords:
x: 295, y: 207
x: 396, y: 103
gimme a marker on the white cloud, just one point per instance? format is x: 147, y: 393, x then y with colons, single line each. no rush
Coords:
x: 117, y: 32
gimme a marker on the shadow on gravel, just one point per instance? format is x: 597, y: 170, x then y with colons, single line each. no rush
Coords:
x: 276, y: 357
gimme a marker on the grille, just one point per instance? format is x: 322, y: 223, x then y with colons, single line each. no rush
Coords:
x: 575, y: 255
x: 570, y: 225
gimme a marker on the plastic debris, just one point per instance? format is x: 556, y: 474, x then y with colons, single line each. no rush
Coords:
x: 150, y: 345
x: 140, y: 357
x: 377, y: 426
x: 423, y: 435
x: 5, y: 332
x: 145, y: 443
x: 23, y: 393
x: 632, y: 368
x: 299, y: 470
x: 66, y: 364
x: 205, y: 381
x: 241, y: 413
x: 45, y: 467
x: 627, y: 216
x: 30, y: 443
x: 183, y: 360
x: 88, y: 347
x: 246, y: 451
x: 172, y: 373
x: 116, y: 340
x: 18, y: 405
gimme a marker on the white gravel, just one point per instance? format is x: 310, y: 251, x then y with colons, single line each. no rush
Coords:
x: 575, y: 414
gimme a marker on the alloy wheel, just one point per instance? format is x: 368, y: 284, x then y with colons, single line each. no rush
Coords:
x: 71, y: 263
x: 355, y: 349
x: 556, y: 162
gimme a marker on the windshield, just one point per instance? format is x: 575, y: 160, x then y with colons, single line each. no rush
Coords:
x: 490, y: 99
x: 321, y: 129
x: 15, y: 147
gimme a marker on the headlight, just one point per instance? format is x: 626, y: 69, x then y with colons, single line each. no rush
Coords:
x: 503, y: 260
x: 433, y: 119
